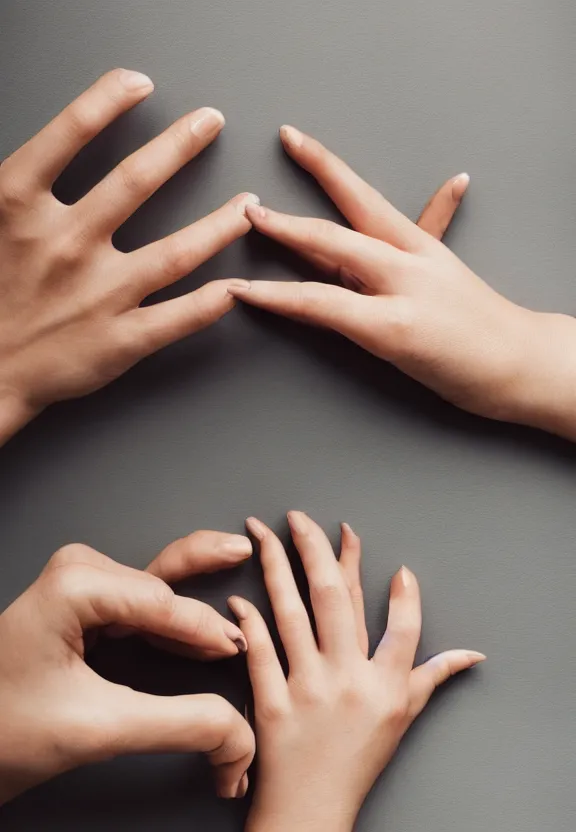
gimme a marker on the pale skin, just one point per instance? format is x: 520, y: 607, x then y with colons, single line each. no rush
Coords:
x: 409, y: 300
x: 57, y: 713
x: 70, y: 316
x: 325, y: 733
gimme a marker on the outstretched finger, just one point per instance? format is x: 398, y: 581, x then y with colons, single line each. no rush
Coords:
x: 425, y: 679
x: 441, y: 207
x: 350, y: 558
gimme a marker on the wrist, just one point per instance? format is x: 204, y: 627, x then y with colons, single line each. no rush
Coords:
x: 15, y: 413
x: 544, y: 392
x: 294, y: 816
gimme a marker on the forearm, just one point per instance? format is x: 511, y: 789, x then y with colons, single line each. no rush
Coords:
x: 546, y: 393
x: 300, y: 815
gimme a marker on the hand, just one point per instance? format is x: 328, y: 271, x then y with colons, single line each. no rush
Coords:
x: 56, y: 713
x: 409, y: 300
x: 325, y: 733
x: 70, y: 317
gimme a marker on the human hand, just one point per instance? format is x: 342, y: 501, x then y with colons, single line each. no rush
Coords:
x: 70, y: 317
x: 327, y: 732
x: 409, y: 300
x: 56, y: 713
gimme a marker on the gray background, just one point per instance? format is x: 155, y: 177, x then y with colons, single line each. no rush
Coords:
x: 258, y: 416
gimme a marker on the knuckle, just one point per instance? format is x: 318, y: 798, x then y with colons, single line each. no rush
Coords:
x: 175, y: 260
x: 13, y: 192
x: 272, y: 711
x: 398, y: 711
x: 330, y: 596
x: 82, y: 118
x: 70, y: 553
x: 401, y: 328
x: 132, y: 176
x: 165, y: 602
x: 67, y: 581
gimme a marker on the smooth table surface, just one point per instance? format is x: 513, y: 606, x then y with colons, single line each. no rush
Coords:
x: 259, y: 416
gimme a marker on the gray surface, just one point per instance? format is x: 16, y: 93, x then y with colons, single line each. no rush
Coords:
x: 256, y: 416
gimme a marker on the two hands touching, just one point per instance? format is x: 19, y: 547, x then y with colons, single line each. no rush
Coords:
x: 327, y: 730
x: 71, y: 319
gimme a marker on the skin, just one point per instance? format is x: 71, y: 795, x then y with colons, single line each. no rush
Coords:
x: 325, y: 733
x: 70, y: 316
x: 409, y: 300
x: 58, y: 713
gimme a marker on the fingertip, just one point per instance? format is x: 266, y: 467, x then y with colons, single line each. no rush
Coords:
x: 238, y: 606
x: 475, y: 658
x: 292, y: 138
x: 238, y: 546
x: 348, y: 531
x: 256, y: 528
x: 242, y: 201
x: 298, y: 522
x: 255, y: 213
x: 460, y: 185
x: 406, y: 576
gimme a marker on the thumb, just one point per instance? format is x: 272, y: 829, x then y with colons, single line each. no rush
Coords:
x: 146, y: 724
x: 427, y: 677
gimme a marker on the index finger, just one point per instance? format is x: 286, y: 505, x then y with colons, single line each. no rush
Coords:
x: 397, y: 650
x: 43, y: 158
x: 360, y: 254
x: 365, y: 207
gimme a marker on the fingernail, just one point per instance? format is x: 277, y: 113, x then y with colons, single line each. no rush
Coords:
x: 292, y: 137
x: 135, y: 80
x: 459, y: 185
x: 255, y: 212
x: 405, y: 576
x: 238, y: 286
x: 298, y: 522
x: 237, y: 545
x: 238, y: 607
x: 247, y: 199
x: 256, y: 528
x: 242, y: 786
x: 475, y: 656
x: 236, y: 636
x: 207, y: 122
x: 347, y: 529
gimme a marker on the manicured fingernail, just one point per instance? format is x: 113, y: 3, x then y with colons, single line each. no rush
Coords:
x: 135, y: 80
x: 206, y: 123
x: 405, y: 576
x: 291, y: 136
x: 237, y: 545
x: 256, y: 528
x: 238, y: 287
x: 298, y: 522
x: 238, y: 607
x: 475, y: 656
x: 459, y: 185
x: 347, y: 529
x: 255, y: 212
x: 247, y: 199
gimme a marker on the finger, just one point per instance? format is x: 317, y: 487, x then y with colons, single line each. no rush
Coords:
x: 150, y: 328
x: 266, y: 674
x: 362, y: 205
x: 359, y: 253
x: 331, y: 602
x: 200, y: 552
x: 333, y: 307
x: 397, y: 649
x: 99, y: 598
x: 441, y: 207
x: 135, y: 179
x: 164, y: 262
x: 145, y: 724
x: 287, y: 605
x: 350, y: 557
x: 425, y: 679
x: 43, y: 158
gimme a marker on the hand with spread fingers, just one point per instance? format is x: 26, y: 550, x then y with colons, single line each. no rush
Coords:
x: 409, y: 300
x: 70, y: 317
x: 56, y: 713
x: 326, y: 732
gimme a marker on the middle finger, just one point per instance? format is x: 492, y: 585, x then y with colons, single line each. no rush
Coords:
x: 135, y: 179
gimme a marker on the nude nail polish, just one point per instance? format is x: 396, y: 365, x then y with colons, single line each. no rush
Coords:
x: 207, y: 122
x: 256, y: 528
x: 135, y: 80
x: 291, y: 136
x: 298, y: 522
